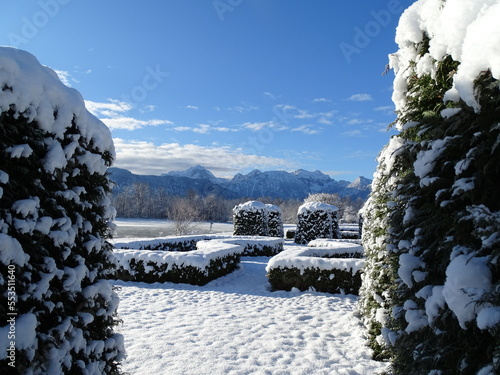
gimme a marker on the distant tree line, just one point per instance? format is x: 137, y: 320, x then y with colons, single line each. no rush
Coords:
x: 140, y: 201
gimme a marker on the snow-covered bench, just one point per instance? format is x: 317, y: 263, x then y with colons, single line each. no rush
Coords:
x: 326, y: 269
x: 210, y: 260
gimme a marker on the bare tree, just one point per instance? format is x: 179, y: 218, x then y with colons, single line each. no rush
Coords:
x: 183, y: 213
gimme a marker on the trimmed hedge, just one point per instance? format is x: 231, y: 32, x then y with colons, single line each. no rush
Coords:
x: 327, y: 281
x: 316, y: 220
x: 252, y: 245
x: 274, y: 221
x: 324, y: 269
x: 210, y: 261
x: 250, y: 219
x: 172, y: 243
x: 257, y: 246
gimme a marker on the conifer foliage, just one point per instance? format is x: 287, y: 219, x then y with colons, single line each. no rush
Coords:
x: 54, y: 222
x: 275, y: 221
x: 254, y: 218
x: 316, y: 220
x: 431, y: 293
x: 250, y: 219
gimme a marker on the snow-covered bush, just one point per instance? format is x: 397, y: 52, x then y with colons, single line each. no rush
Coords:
x: 209, y: 261
x: 250, y: 219
x: 431, y: 292
x: 326, y: 269
x: 274, y: 221
x: 316, y: 220
x: 54, y: 222
x: 168, y: 243
x: 252, y: 245
x: 256, y: 246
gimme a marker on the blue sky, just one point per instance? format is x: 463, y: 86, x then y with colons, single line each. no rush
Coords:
x: 233, y: 85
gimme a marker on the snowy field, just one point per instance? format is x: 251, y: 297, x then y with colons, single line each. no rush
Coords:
x: 147, y: 228
x: 236, y: 325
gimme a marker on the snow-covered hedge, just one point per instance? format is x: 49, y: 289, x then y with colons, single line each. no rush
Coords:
x: 58, y: 312
x: 256, y: 245
x: 354, y: 251
x: 349, y: 231
x: 252, y: 245
x: 169, y: 243
x: 255, y: 218
x: 316, y: 220
x: 326, y: 269
x: 211, y: 259
x: 431, y: 292
x: 274, y: 221
x: 250, y: 219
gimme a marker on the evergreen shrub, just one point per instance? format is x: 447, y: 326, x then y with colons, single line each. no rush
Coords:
x: 54, y: 224
x: 431, y: 292
x: 274, y: 221
x: 331, y: 270
x: 210, y: 261
x: 316, y: 220
x: 250, y: 219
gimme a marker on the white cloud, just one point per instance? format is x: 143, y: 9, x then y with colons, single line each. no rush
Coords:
x: 113, y: 108
x: 271, y: 95
x: 387, y: 109
x: 113, y: 114
x: 130, y: 123
x: 256, y: 126
x: 306, y: 129
x: 193, y: 107
x: 321, y: 100
x: 285, y: 112
x: 360, y: 97
x: 147, y: 158
x: 243, y: 107
x: 205, y: 129
x: 325, y: 121
x: 302, y: 114
x: 147, y: 108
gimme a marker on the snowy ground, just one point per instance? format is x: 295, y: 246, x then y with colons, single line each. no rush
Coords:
x: 236, y: 325
x: 147, y: 228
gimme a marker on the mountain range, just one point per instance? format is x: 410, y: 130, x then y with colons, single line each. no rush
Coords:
x: 273, y: 184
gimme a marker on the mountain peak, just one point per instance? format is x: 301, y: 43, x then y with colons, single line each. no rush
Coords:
x: 308, y: 175
x: 196, y: 172
x: 361, y: 183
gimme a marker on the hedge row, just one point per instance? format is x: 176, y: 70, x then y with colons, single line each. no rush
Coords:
x: 324, y: 269
x: 252, y: 245
x: 211, y: 260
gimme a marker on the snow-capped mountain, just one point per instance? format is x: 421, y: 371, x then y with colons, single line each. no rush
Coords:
x: 361, y: 183
x: 256, y: 184
x: 196, y: 172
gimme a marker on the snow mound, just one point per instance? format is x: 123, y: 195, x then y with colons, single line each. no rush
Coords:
x: 35, y: 91
x: 457, y: 30
x: 316, y: 206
